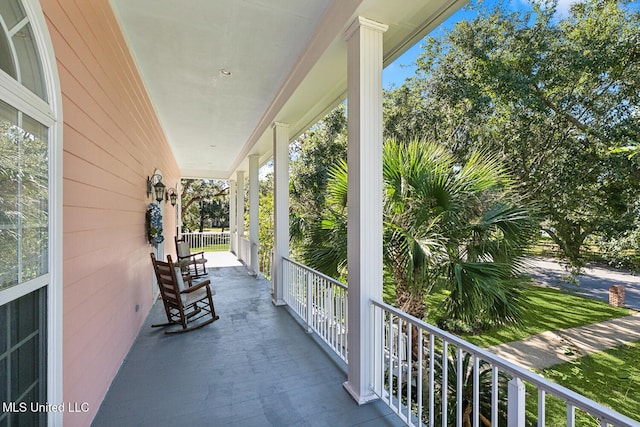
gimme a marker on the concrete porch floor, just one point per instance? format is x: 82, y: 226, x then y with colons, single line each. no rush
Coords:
x: 255, y: 366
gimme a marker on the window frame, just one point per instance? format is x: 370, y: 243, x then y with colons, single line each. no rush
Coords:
x: 50, y: 115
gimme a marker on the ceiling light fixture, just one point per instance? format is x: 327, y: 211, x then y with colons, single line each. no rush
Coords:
x: 225, y: 72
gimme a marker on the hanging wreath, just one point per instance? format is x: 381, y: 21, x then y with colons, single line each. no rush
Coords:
x: 154, y: 224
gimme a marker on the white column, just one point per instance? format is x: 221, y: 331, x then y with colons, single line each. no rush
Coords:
x: 364, y: 197
x: 280, y: 208
x: 240, y: 212
x: 179, y: 208
x: 233, y: 242
x: 254, y: 202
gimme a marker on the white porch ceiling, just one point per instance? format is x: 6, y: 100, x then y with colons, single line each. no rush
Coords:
x: 287, y: 59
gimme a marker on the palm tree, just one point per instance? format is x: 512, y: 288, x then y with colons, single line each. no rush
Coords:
x: 442, y: 219
x: 485, y: 390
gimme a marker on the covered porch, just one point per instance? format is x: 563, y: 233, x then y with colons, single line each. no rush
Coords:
x: 156, y: 89
x: 255, y: 366
x: 263, y: 364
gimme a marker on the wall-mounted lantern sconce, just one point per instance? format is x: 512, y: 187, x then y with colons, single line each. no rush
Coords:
x: 172, y: 195
x: 155, y: 186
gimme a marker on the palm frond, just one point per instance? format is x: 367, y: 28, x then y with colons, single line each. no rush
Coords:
x: 440, y: 219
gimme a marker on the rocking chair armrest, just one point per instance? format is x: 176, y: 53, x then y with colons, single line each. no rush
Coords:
x: 192, y: 255
x: 186, y: 278
x: 183, y: 257
x: 197, y: 286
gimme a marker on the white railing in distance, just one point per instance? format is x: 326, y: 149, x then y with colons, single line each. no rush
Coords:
x: 209, y: 241
x: 320, y: 301
x: 430, y: 377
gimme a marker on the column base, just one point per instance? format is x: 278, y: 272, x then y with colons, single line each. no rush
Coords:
x: 360, y: 399
x: 278, y: 303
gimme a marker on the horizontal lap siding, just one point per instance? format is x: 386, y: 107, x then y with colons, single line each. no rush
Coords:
x: 112, y: 142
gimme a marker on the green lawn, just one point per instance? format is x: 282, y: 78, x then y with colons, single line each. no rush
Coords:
x: 610, y: 377
x: 544, y: 309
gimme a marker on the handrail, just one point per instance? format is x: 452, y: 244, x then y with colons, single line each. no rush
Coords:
x: 316, y: 272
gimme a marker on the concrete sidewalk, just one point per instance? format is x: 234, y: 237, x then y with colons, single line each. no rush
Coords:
x: 550, y: 348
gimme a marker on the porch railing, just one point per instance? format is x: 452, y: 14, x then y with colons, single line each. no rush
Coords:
x: 265, y: 260
x: 320, y: 301
x: 244, y: 250
x: 208, y: 241
x: 428, y: 376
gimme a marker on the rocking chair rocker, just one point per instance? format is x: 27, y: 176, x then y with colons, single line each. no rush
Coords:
x: 183, y: 304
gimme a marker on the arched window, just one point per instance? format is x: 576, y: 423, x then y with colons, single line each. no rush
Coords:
x: 29, y: 208
x: 19, y: 56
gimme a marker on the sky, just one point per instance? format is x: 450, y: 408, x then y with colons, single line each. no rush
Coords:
x: 403, y: 67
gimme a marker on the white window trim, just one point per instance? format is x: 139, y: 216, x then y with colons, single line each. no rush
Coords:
x: 26, y: 101
x: 53, y: 112
x: 15, y: 292
x: 50, y: 115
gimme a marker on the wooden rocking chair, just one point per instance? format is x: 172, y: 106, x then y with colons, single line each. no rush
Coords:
x: 193, y: 263
x: 183, y: 304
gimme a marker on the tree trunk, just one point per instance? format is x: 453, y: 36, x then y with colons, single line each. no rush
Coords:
x: 411, y: 303
x: 570, y: 238
x: 201, y: 216
x: 466, y: 416
x: 415, y: 306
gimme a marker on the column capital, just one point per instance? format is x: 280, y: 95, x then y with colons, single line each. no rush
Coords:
x: 279, y: 125
x: 362, y: 22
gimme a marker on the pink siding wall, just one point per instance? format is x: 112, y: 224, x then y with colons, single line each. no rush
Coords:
x: 112, y: 142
